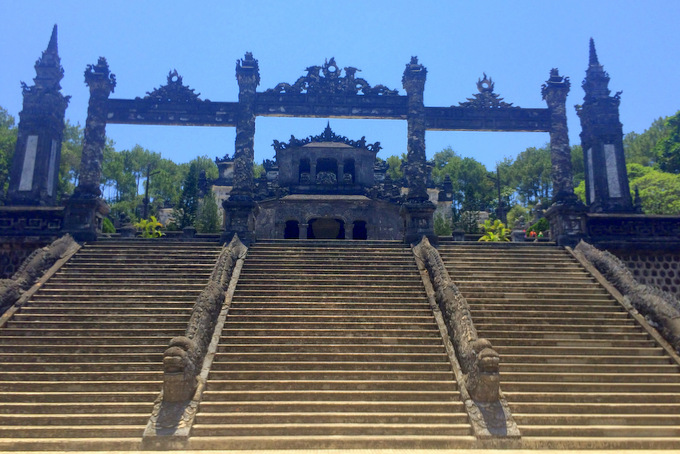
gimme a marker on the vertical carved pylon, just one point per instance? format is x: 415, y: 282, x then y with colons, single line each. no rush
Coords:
x: 85, y: 209
x: 417, y: 211
x: 567, y: 213
x: 239, y: 209
x: 607, y: 187
x: 35, y: 166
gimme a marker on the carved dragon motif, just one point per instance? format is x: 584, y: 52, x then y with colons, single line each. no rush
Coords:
x: 479, y: 361
x: 174, y: 91
x: 486, y: 98
x: 327, y: 79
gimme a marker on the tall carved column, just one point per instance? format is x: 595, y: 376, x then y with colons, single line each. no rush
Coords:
x: 35, y: 167
x: 566, y: 215
x: 607, y: 187
x: 417, y: 211
x: 239, y: 209
x: 85, y: 209
x: 554, y: 93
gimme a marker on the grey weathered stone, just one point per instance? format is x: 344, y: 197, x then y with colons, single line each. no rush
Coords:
x: 661, y: 307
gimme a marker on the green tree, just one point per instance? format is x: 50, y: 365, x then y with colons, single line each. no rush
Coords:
x: 640, y: 148
x: 208, y: 218
x: 394, y: 167
x: 667, y: 149
x: 187, y: 208
x: 531, y: 175
x: 8, y: 139
x: 659, y: 191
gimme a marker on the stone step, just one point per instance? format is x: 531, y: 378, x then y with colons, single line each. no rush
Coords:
x: 370, y: 327
x: 594, y: 397
x: 600, y: 430
x: 303, y: 356
x: 330, y: 396
x: 564, y: 335
x: 328, y: 348
x: 557, y: 326
x: 221, y: 364
x: 526, y: 357
x: 601, y: 443
x: 385, y: 297
x: 71, y: 444
x: 319, y: 306
x: 318, y: 340
x: 77, y: 386
x: 602, y: 409
x: 82, y: 349
x: 590, y: 387
x: 546, y: 317
x: 332, y: 318
x: 80, y: 310
x: 61, y: 397
x: 319, y: 406
x: 139, y: 419
x: 277, y: 331
x: 333, y: 292
x: 529, y: 343
x: 59, y: 357
x: 328, y: 430
x: 41, y: 375
x: 337, y: 442
x: 101, y: 318
x: 331, y: 417
x: 597, y: 377
x: 314, y: 385
x: 80, y: 366
x: 73, y: 325
x: 321, y: 375
x: 597, y: 419
x: 20, y: 340
x: 590, y: 368
x: 85, y: 332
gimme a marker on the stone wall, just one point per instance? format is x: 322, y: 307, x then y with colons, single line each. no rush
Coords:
x: 656, y: 268
x: 14, y: 251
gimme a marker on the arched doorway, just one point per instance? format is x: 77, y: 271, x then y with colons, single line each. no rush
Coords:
x: 359, y: 231
x: 292, y: 230
x: 326, y: 229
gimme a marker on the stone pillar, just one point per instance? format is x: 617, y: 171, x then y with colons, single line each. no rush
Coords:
x: 417, y: 211
x: 607, y: 187
x: 85, y: 209
x: 303, y: 231
x: 239, y: 209
x: 567, y: 213
x: 35, y: 166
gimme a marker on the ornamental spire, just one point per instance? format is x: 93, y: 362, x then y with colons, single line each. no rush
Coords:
x: 48, y: 70
x: 593, y: 54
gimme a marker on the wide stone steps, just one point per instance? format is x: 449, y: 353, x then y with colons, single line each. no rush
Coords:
x: 81, y: 362
x: 577, y: 370
x: 335, y: 346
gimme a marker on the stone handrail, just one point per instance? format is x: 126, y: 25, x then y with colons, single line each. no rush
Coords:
x: 661, y: 307
x: 183, y: 359
x: 478, y: 360
x: 32, y: 268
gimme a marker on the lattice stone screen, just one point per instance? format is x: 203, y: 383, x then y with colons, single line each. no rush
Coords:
x: 659, y: 269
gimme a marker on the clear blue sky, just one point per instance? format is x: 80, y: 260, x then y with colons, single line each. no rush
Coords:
x: 516, y: 43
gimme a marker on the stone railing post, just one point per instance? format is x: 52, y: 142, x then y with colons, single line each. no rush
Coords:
x: 417, y: 211
x: 567, y: 214
x: 239, y: 209
x: 85, y: 209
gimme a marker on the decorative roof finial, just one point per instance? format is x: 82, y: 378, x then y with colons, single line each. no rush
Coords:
x: 593, y: 61
x: 52, y: 46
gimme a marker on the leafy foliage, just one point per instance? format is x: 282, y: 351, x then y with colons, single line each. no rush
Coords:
x: 667, y: 149
x: 495, y: 232
x: 541, y: 226
x: 8, y: 139
x: 442, y: 225
x: 640, y: 148
x: 150, y: 228
x: 107, y: 226
x: 208, y: 218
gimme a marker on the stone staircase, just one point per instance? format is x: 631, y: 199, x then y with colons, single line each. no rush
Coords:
x: 577, y: 370
x: 81, y: 362
x: 330, y: 345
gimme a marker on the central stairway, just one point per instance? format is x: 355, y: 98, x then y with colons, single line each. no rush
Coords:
x: 330, y: 345
x: 81, y: 362
x: 577, y: 370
